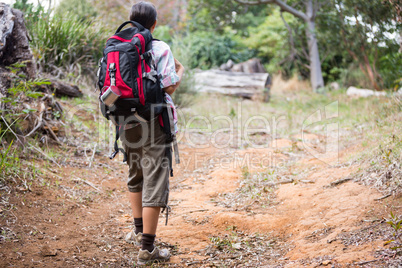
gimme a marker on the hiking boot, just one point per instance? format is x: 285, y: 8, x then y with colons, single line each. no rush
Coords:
x: 133, y: 238
x: 157, y: 255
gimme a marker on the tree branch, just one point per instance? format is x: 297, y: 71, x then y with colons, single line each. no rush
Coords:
x: 291, y: 41
x: 285, y: 7
x: 254, y: 3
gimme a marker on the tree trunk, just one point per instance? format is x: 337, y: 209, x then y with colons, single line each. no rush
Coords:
x: 316, y: 78
x: 370, y: 72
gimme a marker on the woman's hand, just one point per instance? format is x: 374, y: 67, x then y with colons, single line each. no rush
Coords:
x: 179, y: 71
x: 178, y: 65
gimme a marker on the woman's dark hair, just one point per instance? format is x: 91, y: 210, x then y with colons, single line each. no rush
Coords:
x: 144, y: 13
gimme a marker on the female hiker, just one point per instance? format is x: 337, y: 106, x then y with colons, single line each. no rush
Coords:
x: 148, y: 180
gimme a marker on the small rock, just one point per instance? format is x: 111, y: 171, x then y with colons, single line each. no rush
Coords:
x: 47, y: 251
x: 325, y: 263
x: 22, y: 189
x: 334, y: 86
x: 236, y: 246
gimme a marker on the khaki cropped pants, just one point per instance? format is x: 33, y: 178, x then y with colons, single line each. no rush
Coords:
x: 145, y: 145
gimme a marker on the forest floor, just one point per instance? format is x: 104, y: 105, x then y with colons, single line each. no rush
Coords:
x: 231, y: 206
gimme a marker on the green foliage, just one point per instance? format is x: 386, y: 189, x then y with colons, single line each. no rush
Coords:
x: 390, y: 69
x: 84, y: 10
x: 216, y: 15
x: 4, y: 156
x: 185, y: 93
x: 21, y: 90
x: 364, y: 29
x: 68, y: 43
x: 10, y: 164
x: 32, y: 12
x: 352, y: 76
x: 225, y: 243
x: 348, y: 33
x: 210, y: 50
x: 395, y: 223
x: 164, y: 33
x: 270, y: 39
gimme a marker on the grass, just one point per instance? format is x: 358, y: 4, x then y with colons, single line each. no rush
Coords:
x: 363, y: 120
x: 371, y: 126
x: 241, y: 249
x: 66, y: 46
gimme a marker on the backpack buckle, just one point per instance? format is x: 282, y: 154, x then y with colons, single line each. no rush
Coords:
x: 112, y: 72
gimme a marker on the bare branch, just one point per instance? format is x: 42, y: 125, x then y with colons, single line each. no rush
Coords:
x: 306, y: 66
x: 293, y: 53
x: 325, y: 56
x: 291, y: 41
x: 315, y: 8
x: 285, y: 7
x: 9, y: 128
x: 254, y: 3
x: 305, y: 53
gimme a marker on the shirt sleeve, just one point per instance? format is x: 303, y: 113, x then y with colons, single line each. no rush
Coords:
x: 165, y: 66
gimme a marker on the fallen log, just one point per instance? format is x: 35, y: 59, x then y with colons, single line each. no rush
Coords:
x: 238, y: 84
x: 61, y: 88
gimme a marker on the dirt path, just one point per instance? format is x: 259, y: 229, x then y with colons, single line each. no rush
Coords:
x: 77, y: 216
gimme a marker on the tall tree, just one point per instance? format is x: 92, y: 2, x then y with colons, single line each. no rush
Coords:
x: 396, y: 4
x: 308, y: 15
x: 366, y: 30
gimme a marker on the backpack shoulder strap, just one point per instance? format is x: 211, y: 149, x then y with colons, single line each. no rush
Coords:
x: 139, y: 26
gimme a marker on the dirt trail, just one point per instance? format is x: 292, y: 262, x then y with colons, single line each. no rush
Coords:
x: 77, y: 216
x: 307, y: 214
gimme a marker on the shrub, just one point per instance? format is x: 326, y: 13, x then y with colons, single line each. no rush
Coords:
x: 390, y: 68
x: 66, y: 44
x: 84, y: 10
x: 186, y: 92
x: 164, y: 33
x: 353, y: 76
x: 211, y: 50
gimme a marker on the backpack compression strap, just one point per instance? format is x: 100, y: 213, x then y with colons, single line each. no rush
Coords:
x: 173, y: 133
x: 116, y: 147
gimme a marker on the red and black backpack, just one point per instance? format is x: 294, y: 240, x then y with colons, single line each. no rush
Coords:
x: 135, y: 73
x: 127, y: 59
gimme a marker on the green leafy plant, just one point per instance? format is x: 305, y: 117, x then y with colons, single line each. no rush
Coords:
x: 228, y: 243
x: 22, y: 90
x: 185, y: 93
x: 67, y: 44
x: 395, y: 223
x: 4, y: 155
